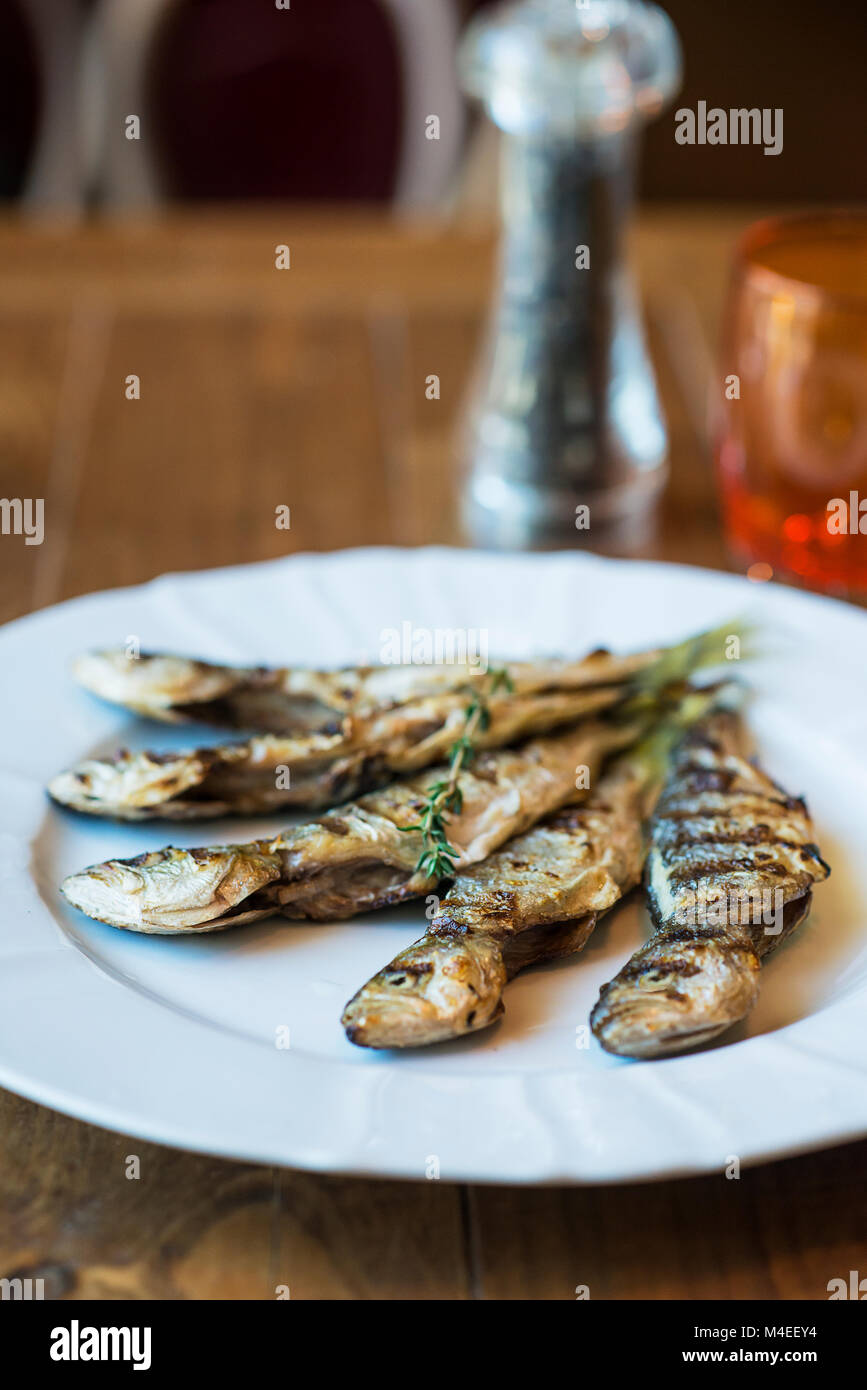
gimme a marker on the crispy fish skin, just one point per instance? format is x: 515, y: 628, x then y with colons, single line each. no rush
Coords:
x: 353, y: 859
x: 358, y: 728
x: 176, y: 689
x: 321, y: 769
x: 730, y: 873
x: 536, y: 899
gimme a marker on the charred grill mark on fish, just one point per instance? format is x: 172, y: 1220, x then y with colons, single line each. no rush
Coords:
x: 338, y: 734
x: 714, y: 853
x: 536, y: 899
x: 270, y: 773
x: 351, y: 860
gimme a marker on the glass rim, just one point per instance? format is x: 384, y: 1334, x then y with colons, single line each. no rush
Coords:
x: 777, y: 229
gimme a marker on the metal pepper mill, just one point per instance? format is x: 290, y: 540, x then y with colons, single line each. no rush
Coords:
x: 564, y: 439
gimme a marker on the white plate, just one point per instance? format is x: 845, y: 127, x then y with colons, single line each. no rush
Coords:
x: 175, y: 1039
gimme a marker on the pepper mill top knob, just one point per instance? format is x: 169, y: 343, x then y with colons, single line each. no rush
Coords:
x: 571, y: 69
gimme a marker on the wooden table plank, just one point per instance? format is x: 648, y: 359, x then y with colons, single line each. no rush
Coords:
x: 191, y: 475
x: 780, y: 1231
x: 187, y: 1227
x: 351, y: 1238
x: 33, y: 354
x: 194, y: 262
x: 195, y: 1227
x: 251, y: 376
x: 437, y: 350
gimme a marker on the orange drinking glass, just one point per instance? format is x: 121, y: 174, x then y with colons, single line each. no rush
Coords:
x: 791, y: 446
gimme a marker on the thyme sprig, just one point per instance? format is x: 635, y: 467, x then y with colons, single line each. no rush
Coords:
x: 444, y: 797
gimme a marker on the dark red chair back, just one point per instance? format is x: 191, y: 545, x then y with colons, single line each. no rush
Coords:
x: 254, y: 102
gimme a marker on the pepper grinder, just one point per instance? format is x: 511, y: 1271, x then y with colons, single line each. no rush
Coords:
x: 564, y: 439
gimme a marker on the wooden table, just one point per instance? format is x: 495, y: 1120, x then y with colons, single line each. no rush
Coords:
x: 305, y: 387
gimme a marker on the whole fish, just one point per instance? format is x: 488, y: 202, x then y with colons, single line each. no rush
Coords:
x: 177, y: 689
x: 730, y: 873
x: 272, y: 773
x: 356, y: 858
x: 376, y: 738
x: 537, y: 898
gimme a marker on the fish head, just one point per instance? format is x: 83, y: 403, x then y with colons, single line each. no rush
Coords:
x: 173, y: 890
x: 152, y: 683
x: 677, y: 994
x: 128, y: 782
x: 443, y: 987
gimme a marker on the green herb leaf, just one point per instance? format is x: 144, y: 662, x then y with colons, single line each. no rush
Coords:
x: 444, y: 797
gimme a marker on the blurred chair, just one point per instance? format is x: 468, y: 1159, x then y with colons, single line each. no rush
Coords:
x: 326, y: 100
x: 41, y: 40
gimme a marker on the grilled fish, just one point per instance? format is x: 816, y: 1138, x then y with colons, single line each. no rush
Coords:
x: 177, y: 690
x: 536, y: 899
x: 356, y: 858
x: 378, y: 735
x: 272, y: 772
x: 730, y: 873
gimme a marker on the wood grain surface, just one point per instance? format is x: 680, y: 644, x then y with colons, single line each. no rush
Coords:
x: 305, y: 388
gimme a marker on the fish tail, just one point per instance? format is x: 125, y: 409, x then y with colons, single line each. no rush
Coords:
x: 730, y: 641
